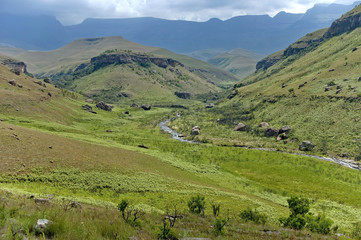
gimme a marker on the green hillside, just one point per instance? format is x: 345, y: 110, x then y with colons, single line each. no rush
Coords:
x: 69, y: 57
x: 238, y: 61
x: 52, y: 149
x: 314, y: 87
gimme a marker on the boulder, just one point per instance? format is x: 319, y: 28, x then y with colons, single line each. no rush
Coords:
x: 284, y: 85
x: 327, y: 89
x: 184, y: 95
x: 196, y: 130
x: 104, y: 106
x: 135, y: 105
x: 88, y: 108
x: 284, y: 129
x: 146, y: 107
x: 338, y: 91
x: 49, y: 94
x: 210, y: 105
x: 12, y: 82
x: 89, y: 100
x: 283, y: 136
x: 240, y: 127
x: 20, y: 86
x: 359, y: 79
x: 42, y: 225
x: 339, y: 87
x: 306, y: 146
x: 47, y: 80
x: 271, y: 132
x: 263, y: 124
x: 42, y: 200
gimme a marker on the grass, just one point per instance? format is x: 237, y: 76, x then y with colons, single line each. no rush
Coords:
x: 67, y: 152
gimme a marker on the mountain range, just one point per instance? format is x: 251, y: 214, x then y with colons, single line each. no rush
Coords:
x: 260, y: 33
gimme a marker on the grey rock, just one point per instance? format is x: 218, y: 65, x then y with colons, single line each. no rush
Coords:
x: 240, y: 127
x: 146, y: 107
x: 263, y: 124
x: 42, y: 225
x: 284, y: 129
x: 196, y: 130
x: 210, y: 105
x: 306, y: 146
x: 12, y: 82
x: 327, y: 89
x: 104, y: 106
x: 271, y: 132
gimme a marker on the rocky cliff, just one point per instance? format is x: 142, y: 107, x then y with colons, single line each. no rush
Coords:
x: 16, y: 67
x: 125, y: 58
x: 346, y: 23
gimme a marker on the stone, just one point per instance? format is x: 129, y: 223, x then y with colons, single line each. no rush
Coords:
x: 284, y: 85
x: 338, y: 91
x: 88, y: 108
x: 47, y: 80
x: 135, y: 105
x: 183, y: 95
x: 20, y: 86
x: 306, y: 146
x: 109, y: 131
x: 49, y: 94
x: 12, y: 82
x: 283, y: 136
x: 146, y: 107
x: 210, y: 105
x: 89, y: 100
x: 104, y: 106
x: 359, y: 79
x: 355, y: 49
x: 263, y: 124
x: 339, y: 87
x: 327, y: 89
x: 331, y: 70
x: 42, y: 225
x: 284, y: 129
x: 346, y: 79
x: 196, y: 130
x: 240, y: 127
x: 126, y: 112
x: 42, y: 200
x: 271, y: 132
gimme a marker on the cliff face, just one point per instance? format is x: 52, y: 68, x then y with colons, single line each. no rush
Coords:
x: 125, y: 58
x: 15, y: 66
x: 345, y: 24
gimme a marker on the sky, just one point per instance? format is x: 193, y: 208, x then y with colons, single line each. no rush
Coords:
x: 70, y: 12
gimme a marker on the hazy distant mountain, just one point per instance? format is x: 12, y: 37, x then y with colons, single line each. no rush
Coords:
x: 262, y: 33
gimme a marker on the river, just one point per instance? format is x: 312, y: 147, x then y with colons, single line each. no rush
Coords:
x: 179, y: 137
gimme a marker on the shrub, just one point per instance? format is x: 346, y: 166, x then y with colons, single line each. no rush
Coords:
x: 197, y: 204
x: 299, y: 207
x: 166, y: 232
x: 319, y: 224
x: 122, y: 206
x: 216, y: 208
x: 219, y: 225
x: 253, y: 216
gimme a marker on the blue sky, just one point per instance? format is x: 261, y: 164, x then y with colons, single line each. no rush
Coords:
x: 75, y: 11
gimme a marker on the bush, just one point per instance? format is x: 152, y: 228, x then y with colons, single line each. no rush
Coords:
x: 197, y: 204
x: 253, y: 216
x: 319, y: 224
x: 299, y: 207
x: 219, y: 224
x: 166, y: 232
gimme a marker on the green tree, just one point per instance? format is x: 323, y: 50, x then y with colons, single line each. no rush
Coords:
x: 299, y: 207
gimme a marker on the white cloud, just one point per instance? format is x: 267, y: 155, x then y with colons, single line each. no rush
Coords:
x: 75, y: 11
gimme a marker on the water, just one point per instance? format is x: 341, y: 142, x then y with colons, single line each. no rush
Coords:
x: 177, y: 136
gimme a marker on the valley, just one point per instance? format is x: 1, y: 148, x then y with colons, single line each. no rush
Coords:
x: 110, y: 139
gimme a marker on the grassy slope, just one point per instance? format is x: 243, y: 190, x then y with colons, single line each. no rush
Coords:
x: 79, y: 51
x: 329, y: 119
x: 151, y: 84
x: 238, y: 61
x: 99, y: 167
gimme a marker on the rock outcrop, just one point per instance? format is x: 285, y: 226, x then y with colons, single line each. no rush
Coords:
x: 240, y: 127
x: 146, y: 107
x: 196, y: 130
x: 306, y: 146
x: 104, y: 106
x: 346, y: 23
x: 183, y: 95
x: 271, y: 132
x: 125, y: 58
x: 15, y: 66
